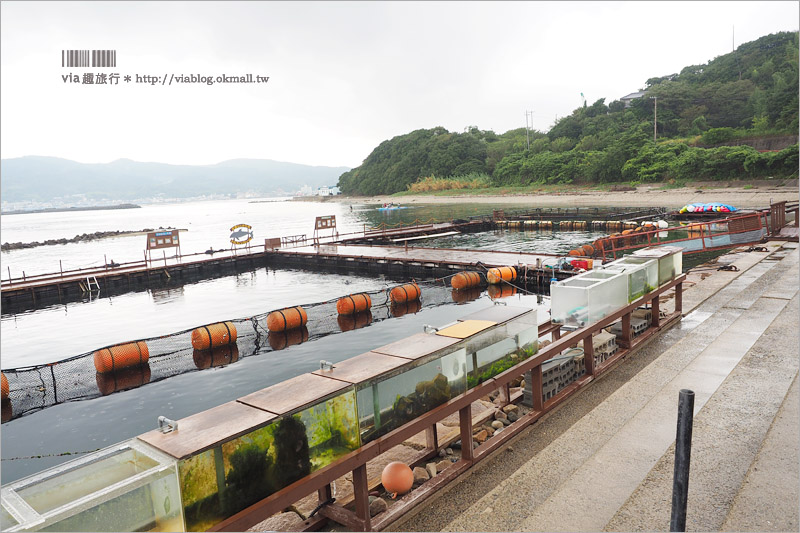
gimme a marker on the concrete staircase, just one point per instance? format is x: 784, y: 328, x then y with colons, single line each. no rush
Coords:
x: 611, y: 469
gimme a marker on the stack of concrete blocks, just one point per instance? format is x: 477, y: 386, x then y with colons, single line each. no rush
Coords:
x: 638, y: 326
x: 645, y: 313
x: 578, y: 365
x: 605, y: 345
x: 551, y: 377
x: 557, y: 374
x: 566, y: 370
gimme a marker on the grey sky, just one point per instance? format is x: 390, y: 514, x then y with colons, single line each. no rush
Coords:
x: 344, y: 76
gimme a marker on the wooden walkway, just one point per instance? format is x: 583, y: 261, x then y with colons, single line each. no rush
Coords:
x: 433, y: 256
x: 400, y: 261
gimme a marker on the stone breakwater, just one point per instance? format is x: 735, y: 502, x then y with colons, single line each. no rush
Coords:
x: 7, y: 246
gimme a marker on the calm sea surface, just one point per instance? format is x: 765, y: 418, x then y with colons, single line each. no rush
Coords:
x: 55, y: 332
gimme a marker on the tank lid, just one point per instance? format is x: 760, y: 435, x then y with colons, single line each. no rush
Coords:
x: 292, y: 394
x: 496, y: 313
x: 204, y: 430
x: 362, y: 367
x: 416, y: 346
x: 467, y: 328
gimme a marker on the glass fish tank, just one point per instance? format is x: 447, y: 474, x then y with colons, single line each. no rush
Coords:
x: 641, y: 272
x: 391, y: 400
x: 223, y: 480
x: 262, y: 443
x: 670, y: 261
x: 126, y: 487
x: 587, y: 297
x: 324, y: 407
x: 497, y: 349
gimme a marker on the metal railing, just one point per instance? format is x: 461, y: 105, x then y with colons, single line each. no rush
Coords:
x: 355, y: 463
x: 693, y: 238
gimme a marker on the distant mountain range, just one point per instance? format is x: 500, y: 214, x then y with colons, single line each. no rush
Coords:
x: 56, y: 181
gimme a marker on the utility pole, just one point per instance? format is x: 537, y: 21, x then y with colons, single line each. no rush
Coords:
x: 527, y: 128
x: 655, y: 116
x: 527, y: 135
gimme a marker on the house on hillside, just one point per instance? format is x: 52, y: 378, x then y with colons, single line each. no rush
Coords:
x: 628, y: 98
x: 328, y: 191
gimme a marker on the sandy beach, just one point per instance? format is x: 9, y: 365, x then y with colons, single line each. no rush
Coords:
x: 756, y: 196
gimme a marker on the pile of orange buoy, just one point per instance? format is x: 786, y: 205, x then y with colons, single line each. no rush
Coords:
x: 632, y: 234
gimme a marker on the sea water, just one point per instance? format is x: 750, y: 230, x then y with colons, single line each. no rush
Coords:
x: 53, y: 332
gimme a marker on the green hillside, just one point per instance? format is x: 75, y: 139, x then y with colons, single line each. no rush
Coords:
x: 711, y: 120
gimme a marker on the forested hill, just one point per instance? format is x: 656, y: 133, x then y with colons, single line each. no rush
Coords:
x: 703, y: 110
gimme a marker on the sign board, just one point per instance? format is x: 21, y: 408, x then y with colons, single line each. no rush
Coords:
x: 326, y: 222
x: 162, y: 239
x: 241, y: 234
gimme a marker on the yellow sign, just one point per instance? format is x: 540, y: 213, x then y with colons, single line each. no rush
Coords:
x: 241, y: 234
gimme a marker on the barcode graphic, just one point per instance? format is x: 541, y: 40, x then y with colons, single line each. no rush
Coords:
x: 88, y: 58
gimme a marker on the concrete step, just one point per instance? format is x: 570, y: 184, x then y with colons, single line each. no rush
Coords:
x: 768, y: 499
x: 583, y: 477
x: 727, y: 436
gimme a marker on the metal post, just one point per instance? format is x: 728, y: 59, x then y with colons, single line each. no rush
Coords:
x: 683, y: 452
x: 465, y: 425
x: 625, y: 340
x: 431, y: 438
x: 655, y: 320
x: 60, y: 268
x: 361, y: 494
x: 588, y: 355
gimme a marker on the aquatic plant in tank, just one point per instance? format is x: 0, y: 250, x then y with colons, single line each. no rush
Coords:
x: 388, y: 404
x: 222, y: 481
x: 485, y: 367
x: 331, y: 429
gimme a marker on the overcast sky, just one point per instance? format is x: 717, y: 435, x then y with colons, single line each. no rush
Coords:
x: 343, y: 76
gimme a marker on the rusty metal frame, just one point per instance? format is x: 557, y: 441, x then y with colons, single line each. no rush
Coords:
x: 355, y: 462
x: 653, y: 236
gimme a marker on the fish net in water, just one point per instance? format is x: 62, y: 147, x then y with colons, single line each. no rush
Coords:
x: 76, y: 378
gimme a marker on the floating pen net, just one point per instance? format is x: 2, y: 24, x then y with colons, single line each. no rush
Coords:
x: 80, y: 377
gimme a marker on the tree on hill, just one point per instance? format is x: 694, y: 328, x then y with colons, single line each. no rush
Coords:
x: 751, y: 92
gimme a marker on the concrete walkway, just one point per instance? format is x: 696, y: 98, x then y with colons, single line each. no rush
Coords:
x: 609, y: 465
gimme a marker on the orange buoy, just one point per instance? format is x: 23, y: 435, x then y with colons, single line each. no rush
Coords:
x: 465, y: 280
x: 497, y: 275
x: 8, y: 412
x: 353, y: 303
x: 127, y: 378
x: 217, y: 356
x: 397, y: 478
x: 575, y: 253
x: 218, y: 334
x: 405, y: 293
x: 400, y: 309
x: 588, y: 250
x: 355, y: 321
x: 466, y: 295
x: 121, y: 356
x: 501, y: 291
x: 4, y: 385
x: 279, y: 340
x: 289, y: 318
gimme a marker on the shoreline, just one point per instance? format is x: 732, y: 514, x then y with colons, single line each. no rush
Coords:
x: 643, y: 196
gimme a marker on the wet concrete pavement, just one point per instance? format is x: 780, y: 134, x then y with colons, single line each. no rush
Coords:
x: 604, y: 460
